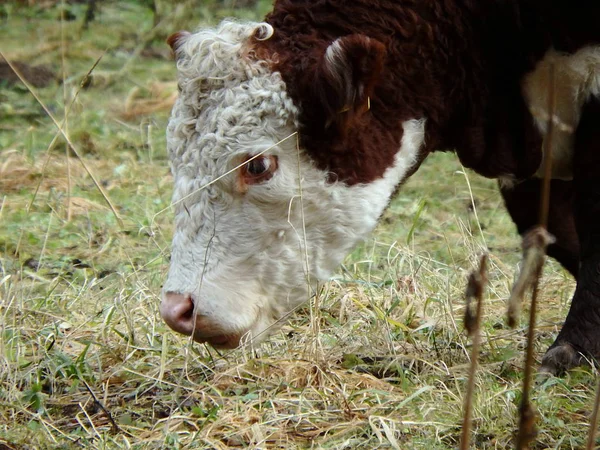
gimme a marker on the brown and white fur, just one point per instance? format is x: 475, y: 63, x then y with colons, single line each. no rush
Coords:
x: 289, y: 138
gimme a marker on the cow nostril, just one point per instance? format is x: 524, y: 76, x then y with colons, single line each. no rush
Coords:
x: 188, y: 313
x: 177, y: 311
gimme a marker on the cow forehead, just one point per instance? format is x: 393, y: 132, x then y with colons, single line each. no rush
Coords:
x: 221, y: 55
x: 230, y: 104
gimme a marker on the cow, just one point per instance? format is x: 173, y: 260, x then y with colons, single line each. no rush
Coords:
x: 290, y: 137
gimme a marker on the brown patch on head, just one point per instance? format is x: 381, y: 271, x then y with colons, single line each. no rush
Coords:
x: 257, y: 170
x: 353, y: 143
x: 334, y: 83
x: 175, y: 40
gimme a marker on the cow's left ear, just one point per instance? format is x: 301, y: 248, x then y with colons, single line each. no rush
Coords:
x: 349, y: 71
x: 176, y: 40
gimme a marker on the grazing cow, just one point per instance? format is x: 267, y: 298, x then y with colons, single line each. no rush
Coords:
x: 290, y: 136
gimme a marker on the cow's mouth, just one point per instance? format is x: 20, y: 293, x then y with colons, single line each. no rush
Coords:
x: 221, y: 342
x: 178, y: 312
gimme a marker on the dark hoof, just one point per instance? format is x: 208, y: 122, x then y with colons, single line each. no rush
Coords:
x: 561, y: 358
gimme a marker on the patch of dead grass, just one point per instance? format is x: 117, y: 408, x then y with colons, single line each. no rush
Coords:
x: 161, y: 97
x: 18, y: 173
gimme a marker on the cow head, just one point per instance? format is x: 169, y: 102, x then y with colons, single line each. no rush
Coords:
x: 257, y: 223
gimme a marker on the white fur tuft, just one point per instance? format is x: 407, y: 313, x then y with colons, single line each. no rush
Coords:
x: 577, y: 78
x: 340, y: 70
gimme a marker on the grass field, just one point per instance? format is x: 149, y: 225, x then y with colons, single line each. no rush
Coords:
x: 85, y: 360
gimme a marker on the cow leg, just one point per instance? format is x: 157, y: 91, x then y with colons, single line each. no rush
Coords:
x: 579, y: 338
x: 522, y: 202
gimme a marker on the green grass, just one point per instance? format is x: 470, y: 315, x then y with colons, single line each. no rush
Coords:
x: 86, y: 362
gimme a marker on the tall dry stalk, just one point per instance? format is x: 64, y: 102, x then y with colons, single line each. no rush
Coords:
x: 591, y: 442
x: 535, y: 243
x: 475, y: 288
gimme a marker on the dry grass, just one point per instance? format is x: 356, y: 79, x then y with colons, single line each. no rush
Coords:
x: 17, y: 173
x: 86, y: 362
x: 161, y: 98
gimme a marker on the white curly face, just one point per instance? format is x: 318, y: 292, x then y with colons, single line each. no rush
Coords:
x: 253, y: 236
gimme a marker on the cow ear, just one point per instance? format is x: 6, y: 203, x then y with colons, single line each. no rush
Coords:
x: 349, y: 71
x: 176, y: 40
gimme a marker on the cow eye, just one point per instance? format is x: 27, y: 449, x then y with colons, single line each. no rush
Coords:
x: 258, y: 166
x: 259, y: 169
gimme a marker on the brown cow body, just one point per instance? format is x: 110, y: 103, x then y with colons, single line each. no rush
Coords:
x: 474, y: 72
